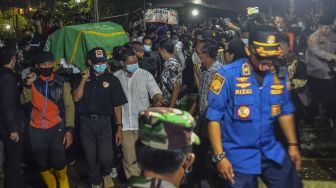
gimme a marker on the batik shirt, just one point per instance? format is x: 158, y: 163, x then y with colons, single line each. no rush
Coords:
x: 205, y: 82
x: 172, y: 73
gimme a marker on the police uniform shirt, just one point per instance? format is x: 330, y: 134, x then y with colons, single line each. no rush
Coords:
x: 247, y: 112
x: 101, y: 95
x: 320, y: 50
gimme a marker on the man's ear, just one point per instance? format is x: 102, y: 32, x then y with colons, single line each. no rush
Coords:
x: 247, y: 51
x: 190, y: 158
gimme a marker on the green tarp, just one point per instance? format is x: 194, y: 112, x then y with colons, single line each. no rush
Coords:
x: 73, y: 42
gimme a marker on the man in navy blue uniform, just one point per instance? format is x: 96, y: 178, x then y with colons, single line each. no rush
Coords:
x: 245, y: 99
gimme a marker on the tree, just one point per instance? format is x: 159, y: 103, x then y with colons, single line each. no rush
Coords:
x: 8, y: 17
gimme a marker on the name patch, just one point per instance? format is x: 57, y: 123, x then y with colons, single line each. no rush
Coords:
x: 243, y: 92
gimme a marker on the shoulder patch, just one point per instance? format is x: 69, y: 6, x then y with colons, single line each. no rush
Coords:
x: 246, y: 69
x: 312, y: 40
x: 217, y: 83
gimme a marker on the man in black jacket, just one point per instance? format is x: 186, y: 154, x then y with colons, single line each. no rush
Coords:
x: 11, y: 118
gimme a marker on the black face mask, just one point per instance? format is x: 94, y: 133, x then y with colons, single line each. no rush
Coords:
x: 46, y: 71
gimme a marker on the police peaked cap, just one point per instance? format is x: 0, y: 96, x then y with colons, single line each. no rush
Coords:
x: 326, y: 20
x: 265, y: 41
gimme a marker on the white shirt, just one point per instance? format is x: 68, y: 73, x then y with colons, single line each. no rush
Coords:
x: 136, y: 89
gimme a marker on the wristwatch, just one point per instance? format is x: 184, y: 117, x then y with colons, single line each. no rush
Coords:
x: 218, y: 157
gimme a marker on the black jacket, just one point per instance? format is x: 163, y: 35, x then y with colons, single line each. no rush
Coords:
x: 11, y: 114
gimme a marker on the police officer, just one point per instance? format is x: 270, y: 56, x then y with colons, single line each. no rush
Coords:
x: 100, y: 96
x: 245, y: 99
x: 321, y: 60
x: 164, y: 148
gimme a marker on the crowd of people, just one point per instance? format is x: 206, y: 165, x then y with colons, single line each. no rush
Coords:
x: 250, y: 74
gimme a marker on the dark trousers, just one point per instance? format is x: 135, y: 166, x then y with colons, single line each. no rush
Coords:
x: 48, y: 148
x: 323, y: 90
x: 13, y: 156
x: 273, y: 175
x: 96, y: 136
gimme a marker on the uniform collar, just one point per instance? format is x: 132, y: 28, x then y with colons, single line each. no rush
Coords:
x: 145, y: 182
x: 247, y: 72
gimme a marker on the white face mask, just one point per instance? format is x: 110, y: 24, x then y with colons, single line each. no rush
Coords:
x: 196, y: 60
x: 245, y: 41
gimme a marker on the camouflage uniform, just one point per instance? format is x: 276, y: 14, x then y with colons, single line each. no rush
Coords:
x: 164, y: 129
x: 146, y: 182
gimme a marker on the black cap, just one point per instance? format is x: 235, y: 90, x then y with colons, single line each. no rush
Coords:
x: 42, y: 57
x: 326, y: 20
x: 97, y: 55
x: 265, y: 41
x: 208, y: 34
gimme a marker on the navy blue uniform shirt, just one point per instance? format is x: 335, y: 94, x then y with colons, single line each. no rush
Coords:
x: 247, y: 113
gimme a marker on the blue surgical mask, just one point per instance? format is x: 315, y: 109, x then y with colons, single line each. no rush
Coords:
x: 147, y: 48
x: 132, y: 67
x: 100, y: 68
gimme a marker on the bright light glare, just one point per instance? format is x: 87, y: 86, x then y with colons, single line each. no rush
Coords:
x: 195, y: 12
x: 7, y: 27
x: 78, y: 1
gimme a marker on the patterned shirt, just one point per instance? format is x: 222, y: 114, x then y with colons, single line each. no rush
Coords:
x: 172, y: 73
x: 205, y: 82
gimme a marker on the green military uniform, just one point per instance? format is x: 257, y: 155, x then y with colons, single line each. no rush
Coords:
x: 146, y: 182
x: 163, y: 129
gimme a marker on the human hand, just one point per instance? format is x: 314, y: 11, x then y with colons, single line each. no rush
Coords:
x: 119, y: 137
x: 14, y: 136
x: 31, y: 77
x: 295, y: 156
x: 85, y: 74
x: 68, y: 139
x: 225, y: 170
x: 333, y: 58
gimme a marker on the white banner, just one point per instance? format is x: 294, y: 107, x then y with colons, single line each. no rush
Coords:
x: 161, y: 16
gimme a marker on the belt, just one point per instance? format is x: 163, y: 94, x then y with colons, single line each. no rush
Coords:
x: 95, y: 116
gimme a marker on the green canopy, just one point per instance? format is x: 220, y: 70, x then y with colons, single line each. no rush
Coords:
x: 73, y: 42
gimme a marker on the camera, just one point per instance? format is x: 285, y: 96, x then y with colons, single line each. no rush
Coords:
x: 228, y: 35
x: 223, y: 31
